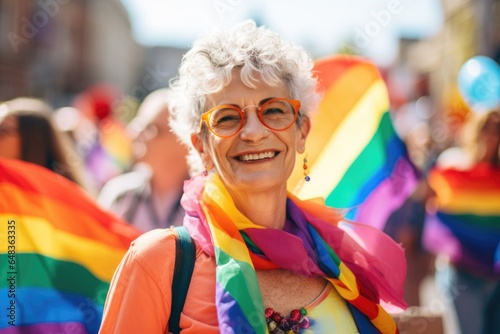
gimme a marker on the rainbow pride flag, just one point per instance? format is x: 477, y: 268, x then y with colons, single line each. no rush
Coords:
x: 355, y: 159
x: 466, y: 226
x: 58, y: 252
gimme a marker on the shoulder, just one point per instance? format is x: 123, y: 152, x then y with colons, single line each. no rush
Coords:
x: 156, y: 249
x: 148, y: 263
x: 142, y: 281
x: 153, y: 247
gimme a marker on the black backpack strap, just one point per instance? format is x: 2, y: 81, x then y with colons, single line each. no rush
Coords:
x: 184, y: 264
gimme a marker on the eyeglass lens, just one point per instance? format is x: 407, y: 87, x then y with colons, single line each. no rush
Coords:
x: 274, y: 114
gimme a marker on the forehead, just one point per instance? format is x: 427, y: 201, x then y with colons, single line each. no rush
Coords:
x: 237, y: 92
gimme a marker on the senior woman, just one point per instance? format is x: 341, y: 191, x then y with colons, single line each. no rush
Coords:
x: 265, y: 261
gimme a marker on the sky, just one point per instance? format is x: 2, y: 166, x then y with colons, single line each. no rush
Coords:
x: 370, y: 27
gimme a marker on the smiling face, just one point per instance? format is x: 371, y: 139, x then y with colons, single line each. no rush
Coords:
x: 256, y: 159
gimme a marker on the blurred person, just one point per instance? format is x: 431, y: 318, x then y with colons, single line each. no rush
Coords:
x: 464, y: 227
x: 482, y: 138
x: 27, y: 133
x: 406, y: 224
x: 265, y: 262
x: 101, y: 138
x: 149, y: 196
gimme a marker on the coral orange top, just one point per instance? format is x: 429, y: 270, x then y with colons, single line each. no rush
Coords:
x: 140, y: 294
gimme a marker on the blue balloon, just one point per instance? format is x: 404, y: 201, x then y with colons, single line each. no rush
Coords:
x: 479, y: 83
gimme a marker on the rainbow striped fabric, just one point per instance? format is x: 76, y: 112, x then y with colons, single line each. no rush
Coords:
x: 58, y: 250
x: 356, y: 160
x: 466, y: 226
x: 311, y: 243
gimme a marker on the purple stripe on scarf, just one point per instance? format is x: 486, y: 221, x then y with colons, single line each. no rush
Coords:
x: 285, y: 250
x: 231, y: 316
x: 290, y: 248
x: 296, y: 224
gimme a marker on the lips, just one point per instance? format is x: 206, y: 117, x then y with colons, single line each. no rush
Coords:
x: 257, y: 156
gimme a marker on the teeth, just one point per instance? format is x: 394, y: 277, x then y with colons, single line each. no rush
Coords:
x: 251, y: 157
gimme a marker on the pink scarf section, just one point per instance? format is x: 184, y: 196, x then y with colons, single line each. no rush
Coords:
x: 370, y: 254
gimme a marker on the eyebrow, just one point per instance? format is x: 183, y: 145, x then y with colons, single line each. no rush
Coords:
x: 260, y: 103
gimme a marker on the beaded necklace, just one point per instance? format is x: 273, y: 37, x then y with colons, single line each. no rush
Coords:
x: 290, y: 324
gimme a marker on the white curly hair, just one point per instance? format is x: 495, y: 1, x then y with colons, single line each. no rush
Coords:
x: 207, y: 68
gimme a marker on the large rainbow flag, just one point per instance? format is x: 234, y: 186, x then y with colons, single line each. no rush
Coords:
x: 356, y: 160
x: 466, y: 225
x: 58, y: 252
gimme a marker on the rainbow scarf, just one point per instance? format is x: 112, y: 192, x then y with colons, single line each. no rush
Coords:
x: 312, y: 243
x: 466, y: 226
x: 59, y: 250
x: 356, y: 160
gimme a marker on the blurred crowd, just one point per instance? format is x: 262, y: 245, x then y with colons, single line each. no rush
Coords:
x: 135, y: 167
x: 99, y: 117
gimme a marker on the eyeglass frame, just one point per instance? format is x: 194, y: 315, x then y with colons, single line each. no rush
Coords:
x: 206, y: 115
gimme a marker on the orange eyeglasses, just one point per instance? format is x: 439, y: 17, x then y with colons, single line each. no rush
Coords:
x: 226, y: 120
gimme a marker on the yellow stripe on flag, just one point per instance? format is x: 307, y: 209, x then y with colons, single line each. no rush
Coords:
x: 345, y: 145
x: 465, y: 201
x: 37, y: 235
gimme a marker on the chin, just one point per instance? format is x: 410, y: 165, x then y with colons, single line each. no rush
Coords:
x: 262, y: 181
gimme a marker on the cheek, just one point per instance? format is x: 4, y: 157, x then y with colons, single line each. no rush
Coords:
x: 297, y: 142
x: 218, y: 156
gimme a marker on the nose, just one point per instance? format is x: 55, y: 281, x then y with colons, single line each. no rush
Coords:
x: 253, y: 129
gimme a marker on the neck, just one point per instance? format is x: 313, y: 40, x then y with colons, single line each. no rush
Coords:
x: 266, y: 209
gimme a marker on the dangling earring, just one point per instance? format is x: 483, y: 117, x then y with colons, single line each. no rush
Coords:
x: 206, y: 168
x: 306, y: 177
